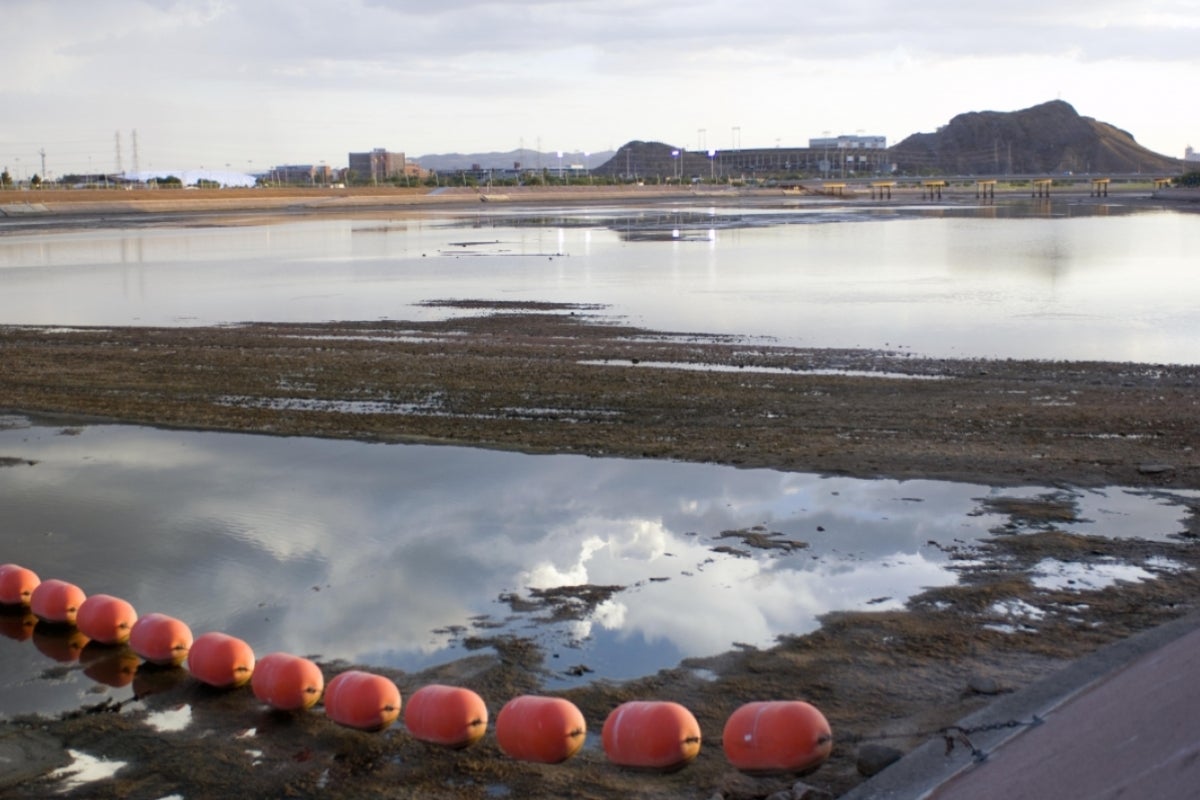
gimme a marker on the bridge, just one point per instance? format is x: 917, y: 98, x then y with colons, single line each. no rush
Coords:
x: 982, y: 186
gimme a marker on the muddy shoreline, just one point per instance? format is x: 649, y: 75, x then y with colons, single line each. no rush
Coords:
x: 564, y: 379
x: 553, y: 378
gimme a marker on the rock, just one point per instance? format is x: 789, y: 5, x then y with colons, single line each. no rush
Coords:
x: 804, y: 791
x: 874, y: 758
x: 982, y: 684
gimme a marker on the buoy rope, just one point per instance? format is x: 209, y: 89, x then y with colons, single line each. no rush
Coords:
x: 952, y: 734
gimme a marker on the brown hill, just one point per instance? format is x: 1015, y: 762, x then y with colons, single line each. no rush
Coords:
x: 1046, y: 139
x: 638, y: 159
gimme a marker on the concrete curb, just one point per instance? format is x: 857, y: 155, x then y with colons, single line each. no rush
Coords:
x: 924, y: 770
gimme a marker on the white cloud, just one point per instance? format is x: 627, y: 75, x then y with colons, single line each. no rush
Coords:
x: 230, y: 81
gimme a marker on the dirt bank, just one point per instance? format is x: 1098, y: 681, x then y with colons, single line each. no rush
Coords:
x: 547, y: 378
x: 137, y: 207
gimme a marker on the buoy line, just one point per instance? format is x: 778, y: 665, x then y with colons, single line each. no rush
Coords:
x: 655, y: 735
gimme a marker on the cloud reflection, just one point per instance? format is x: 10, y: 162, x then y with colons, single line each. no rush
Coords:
x: 392, y: 554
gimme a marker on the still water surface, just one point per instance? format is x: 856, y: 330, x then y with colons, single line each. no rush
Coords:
x: 397, y: 554
x: 1022, y: 279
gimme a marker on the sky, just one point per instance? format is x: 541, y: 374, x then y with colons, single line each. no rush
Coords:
x: 249, y: 84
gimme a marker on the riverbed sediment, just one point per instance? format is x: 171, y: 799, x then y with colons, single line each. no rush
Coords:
x: 542, y: 377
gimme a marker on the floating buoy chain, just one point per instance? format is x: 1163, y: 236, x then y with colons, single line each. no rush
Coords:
x: 768, y: 735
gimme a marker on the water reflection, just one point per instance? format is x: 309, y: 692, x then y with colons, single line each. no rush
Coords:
x: 1020, y: 279
x: 398, y: 555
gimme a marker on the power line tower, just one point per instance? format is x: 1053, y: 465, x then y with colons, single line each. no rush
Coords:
x: 42, y: 153
x: 117, y: 137
x: 134, y: 155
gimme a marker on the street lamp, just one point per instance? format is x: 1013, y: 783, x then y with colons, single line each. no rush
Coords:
x: 712, y: 166
x: 560, y: 172
x: 674, y: 155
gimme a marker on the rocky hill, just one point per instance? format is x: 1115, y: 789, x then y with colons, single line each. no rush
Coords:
x: 638, y: 159
x: 1046, y: 139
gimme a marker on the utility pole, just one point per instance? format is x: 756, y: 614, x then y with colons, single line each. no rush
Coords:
x: 117, y: 140
x: 135, y: 157
x: 42, y: 153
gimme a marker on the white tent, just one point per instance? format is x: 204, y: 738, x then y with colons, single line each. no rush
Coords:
x: 191, y: 177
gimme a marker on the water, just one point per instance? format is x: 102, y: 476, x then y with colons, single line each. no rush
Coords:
x: 397, y: 555
x: 1024, y: 279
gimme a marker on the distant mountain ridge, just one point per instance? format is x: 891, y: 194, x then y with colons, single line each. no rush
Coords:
x: 1050, y: 138
x: 1046, y: 139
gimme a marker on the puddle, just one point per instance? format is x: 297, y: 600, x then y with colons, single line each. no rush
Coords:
x: 82, y: 770
x: 171, y: 720
x: 1050, y: 573
x: 407, y: 556
x: 695, y: 367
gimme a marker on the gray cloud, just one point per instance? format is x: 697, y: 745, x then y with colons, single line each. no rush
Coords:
x: 296, y: 80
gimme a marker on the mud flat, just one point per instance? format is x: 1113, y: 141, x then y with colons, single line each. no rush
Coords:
x: 554, y: 378
x: 541, y: 377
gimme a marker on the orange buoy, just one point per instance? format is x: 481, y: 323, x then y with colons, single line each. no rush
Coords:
x: 161, y: 639
x: 58, y: 642
x: 106, y: 619
x: 220, y: 660
x: 56, y: 601
x: 17, y: 623
x: 17, y: 584
x: 447, y: 715
x: 548, y: 730
x: 779, y: 735
x: 287, y: 682
x: 362, y: 700
x: 651, y: 735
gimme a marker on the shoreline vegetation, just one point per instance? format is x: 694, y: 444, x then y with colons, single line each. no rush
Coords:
x: 31, y: 204
x: 540, y: 377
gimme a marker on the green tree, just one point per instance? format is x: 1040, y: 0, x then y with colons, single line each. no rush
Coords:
x: 1189, y: 179
x: 5, y: 180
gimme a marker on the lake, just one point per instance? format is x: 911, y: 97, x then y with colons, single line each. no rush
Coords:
x: 407, y: 556
x: 1025, y: 279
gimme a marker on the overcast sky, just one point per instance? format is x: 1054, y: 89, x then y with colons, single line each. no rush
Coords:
x: 254, y: 83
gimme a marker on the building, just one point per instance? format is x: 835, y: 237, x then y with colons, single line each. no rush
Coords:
x: 849, y: 143
x: 377, y: 166
x: 301, y: 174
x: 1190, y: 155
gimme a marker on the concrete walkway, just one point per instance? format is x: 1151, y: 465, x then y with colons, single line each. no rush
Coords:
x: 1122, y: 722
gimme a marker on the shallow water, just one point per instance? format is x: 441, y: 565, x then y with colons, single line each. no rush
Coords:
x: 396, y: 555
x: 1017, y: 279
